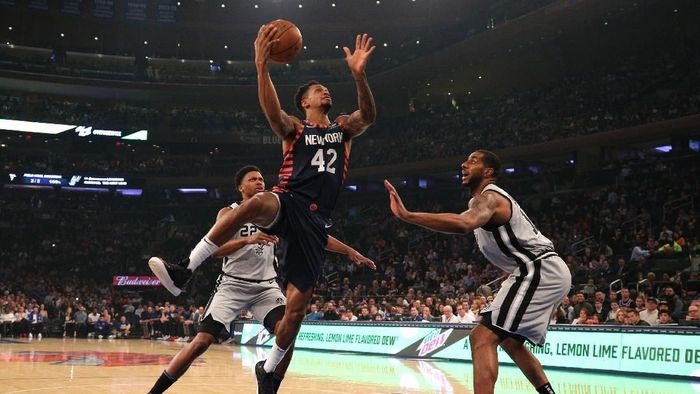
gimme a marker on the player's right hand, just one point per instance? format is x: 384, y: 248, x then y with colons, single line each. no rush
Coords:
x: 267, y: 35
x: 261, y: 238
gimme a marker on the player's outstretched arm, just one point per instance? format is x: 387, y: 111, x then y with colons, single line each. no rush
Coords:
x: 479, y: 213
x: 233, y: 245
x: 282, y: 124
x: 336, y: 246
x: 357, y: 122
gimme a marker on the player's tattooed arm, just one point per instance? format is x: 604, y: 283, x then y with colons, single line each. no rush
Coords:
x: 357, y: 122
x: 336, y: 246
x: 282, y: 125
x: 481, y: 210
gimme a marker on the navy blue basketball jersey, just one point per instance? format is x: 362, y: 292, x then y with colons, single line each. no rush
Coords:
x: 315, y: 165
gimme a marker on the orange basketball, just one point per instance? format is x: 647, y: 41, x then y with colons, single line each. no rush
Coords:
x: 289, y: 44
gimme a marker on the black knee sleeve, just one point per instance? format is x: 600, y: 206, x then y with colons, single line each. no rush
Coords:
x: 211, y: 326
x: 273, y: 317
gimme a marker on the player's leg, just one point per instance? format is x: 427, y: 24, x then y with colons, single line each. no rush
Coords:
x: 184, y: 358
x: 286, y: 331
x: 271, y: 322
x: 483, y: 342
x: 528, y: 363
x: 262, y: 210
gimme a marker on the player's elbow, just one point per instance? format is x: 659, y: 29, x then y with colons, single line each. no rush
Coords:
x: 464, y: 227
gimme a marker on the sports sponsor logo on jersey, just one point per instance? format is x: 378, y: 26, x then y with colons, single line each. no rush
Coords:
x: 434, y: 340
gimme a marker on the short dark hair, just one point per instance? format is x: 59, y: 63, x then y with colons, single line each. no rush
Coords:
x: 301, y: 93
x: 491, y: 160
x: 243, y: 171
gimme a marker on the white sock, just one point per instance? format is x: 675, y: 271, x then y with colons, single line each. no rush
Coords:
x: 201, y: 252
x: 276, y: 355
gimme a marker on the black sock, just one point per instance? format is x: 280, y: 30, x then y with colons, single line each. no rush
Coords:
x: 545, y: 389
x: 163, y: 383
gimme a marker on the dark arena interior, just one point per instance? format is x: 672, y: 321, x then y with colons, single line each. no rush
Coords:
x: 382, y: 231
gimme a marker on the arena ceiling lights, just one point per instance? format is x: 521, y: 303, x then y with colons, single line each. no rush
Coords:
x: 22, y: 126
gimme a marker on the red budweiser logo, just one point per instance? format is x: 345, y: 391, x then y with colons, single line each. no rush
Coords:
x: 135, y: 281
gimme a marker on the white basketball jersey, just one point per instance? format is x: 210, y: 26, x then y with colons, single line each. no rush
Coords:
x: 515, y: 243
x: 254, y: 262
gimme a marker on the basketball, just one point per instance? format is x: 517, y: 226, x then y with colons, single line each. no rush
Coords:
x: 289, y: 44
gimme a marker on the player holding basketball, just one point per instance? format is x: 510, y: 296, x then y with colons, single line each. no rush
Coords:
x: 315, y: 158
x: 248, y: 281
x: 538, y: 279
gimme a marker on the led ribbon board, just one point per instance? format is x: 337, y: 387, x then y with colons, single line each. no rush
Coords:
x: 623, y: 350
x: 22, y: 126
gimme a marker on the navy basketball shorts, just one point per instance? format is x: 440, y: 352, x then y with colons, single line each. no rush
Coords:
x: 305, y: 236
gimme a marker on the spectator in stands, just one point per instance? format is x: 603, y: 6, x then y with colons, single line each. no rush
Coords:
x: 634, y: 320
x: 6, y: 319
x: 640, y: 303
x: 585, y: 318
x: 92, y: 319
x: 675, y: 304
x: 650, y: 313
x: 349, y: 315
x: 599, y: 311
x: 36, y: 322
x: 665, y: 319
x: 314, y: 314
x: 69, y: 323
x: 123, y: 327
x: 448, y: 316
x: 581, y: 303
x: 80, y: 319
x: 364, y: 314
x: 148, y: 318
x: 567, y: 310
x: 20, y: 327
x: 330, y: 313
x: 693, y: 312
x: 102, y: 328
x: 426, y: 314
x: 464, y: 314
x: 614, y: 308
x: 414, y: 315
x: 625, y: 301
x: 638, y: 251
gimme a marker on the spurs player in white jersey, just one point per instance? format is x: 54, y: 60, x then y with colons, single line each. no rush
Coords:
x: 538, y: 279
x: 248, y: 281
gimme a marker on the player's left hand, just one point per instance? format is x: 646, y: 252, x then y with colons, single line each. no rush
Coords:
x: 357, y: 60
x: 397, y: 207
x: 359, y: 259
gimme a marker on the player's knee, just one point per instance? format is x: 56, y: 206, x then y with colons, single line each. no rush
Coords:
x: 294, y: 317
x: 512, y: 346
x: 201, y: 343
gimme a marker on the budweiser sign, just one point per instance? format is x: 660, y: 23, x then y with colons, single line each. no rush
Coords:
x: 135, y: 281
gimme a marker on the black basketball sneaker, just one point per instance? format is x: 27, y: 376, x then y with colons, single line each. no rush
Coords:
x: 173, y: 277
x: 266, y: 380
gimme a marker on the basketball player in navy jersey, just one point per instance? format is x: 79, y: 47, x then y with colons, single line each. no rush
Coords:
x: 314, y: 166
x: 538, y: 279
x: 247, y: 281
